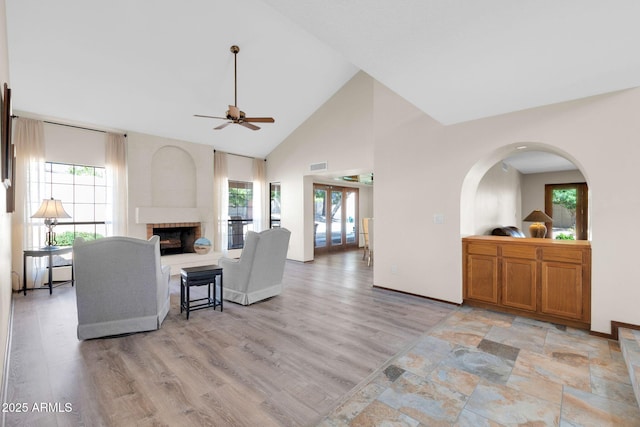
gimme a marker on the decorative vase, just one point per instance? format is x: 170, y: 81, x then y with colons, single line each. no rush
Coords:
x: 202, y: 246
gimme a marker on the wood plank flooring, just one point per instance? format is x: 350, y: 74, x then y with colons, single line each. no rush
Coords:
x: 286, y: 361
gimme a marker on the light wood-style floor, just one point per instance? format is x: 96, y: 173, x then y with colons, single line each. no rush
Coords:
x: 286, y: 361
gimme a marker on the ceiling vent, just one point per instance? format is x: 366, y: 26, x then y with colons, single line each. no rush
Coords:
x: 316, y: 167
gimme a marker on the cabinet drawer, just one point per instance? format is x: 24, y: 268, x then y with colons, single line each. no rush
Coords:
x: 562, y: 255
x: 482, y: 249
x: 526, y: 252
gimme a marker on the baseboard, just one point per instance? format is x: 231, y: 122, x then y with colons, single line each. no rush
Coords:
x: 617, y: 325
x: 417, y: 295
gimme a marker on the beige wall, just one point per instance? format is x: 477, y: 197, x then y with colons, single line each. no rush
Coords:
x: 450, y: 162
x: 498, y: 199
x: 196, y: 160
x: 5, y: 219
x: 340, y: 133
x: 437, y: 170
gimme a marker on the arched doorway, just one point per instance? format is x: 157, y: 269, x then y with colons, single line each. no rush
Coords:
x: 471, y: 223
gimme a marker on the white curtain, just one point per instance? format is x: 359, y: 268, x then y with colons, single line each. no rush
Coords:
x: 260, y: 212
x: 220, y: 201
x: 117, y: 200
x: 28, y: 138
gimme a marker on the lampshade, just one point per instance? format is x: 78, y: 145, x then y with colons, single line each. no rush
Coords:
x: 538, y: 216
x: 51, y: 208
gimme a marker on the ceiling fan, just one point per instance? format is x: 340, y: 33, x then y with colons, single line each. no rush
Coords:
x: 234, y: 115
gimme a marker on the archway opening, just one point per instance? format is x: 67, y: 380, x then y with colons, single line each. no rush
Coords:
x: 499, y: 190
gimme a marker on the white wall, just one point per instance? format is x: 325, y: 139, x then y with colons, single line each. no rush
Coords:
x: 599, y: 134
x: 498, y: 199
x: 340, y: 133
x: 5, y: 218
x: 437, y: 171
x: 196, y: 160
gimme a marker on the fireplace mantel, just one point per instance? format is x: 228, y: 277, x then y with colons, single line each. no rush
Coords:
x: 157, y: 215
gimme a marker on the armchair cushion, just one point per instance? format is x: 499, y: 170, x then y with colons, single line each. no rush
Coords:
x: 121, y: 287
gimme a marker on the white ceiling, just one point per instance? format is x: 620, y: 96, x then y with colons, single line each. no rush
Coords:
x: 528, y: 162
x: 149, y: 65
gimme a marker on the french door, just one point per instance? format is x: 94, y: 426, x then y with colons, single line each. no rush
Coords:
x: 335, y: 217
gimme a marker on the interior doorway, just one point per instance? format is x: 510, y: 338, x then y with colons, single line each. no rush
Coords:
x: 335, y: 218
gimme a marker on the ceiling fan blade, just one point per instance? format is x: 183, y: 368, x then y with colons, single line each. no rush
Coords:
x: 222, y: 126
x: 259, y: 119
x: 249, y: 125
x: 209, y: 117
x: 234, y: 112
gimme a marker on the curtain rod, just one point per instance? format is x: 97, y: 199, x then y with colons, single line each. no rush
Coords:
x: 238, y: 155
x: 71, y: 126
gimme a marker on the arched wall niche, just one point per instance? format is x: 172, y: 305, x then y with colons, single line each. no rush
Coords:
x: 173, y: 178
x: 480, y: 168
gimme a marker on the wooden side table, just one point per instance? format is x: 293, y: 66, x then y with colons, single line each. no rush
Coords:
x: 200, y: 276
x: 48, y: 251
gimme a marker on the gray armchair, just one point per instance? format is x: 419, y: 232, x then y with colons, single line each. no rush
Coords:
x: 257, y: 274
x: 121, y: 287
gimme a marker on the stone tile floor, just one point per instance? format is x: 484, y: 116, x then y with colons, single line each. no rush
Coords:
x: 482, y: 368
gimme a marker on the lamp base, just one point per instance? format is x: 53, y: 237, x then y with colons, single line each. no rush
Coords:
x: 538, y: 229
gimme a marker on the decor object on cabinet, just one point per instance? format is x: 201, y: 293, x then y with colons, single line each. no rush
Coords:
x: 538, y: 229
x: 202, y: 246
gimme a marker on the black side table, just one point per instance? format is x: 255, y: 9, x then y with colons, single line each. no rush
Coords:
x: 47, y: 251
x: 199, y: 276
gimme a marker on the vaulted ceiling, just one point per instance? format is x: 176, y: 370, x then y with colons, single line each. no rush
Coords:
x: 149, y: 65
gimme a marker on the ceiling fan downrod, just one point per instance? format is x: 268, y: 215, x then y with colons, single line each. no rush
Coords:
x: 235, y: 49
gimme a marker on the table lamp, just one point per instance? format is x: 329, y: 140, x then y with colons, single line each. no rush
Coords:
x: 538, y: 229
x: 51, y: 210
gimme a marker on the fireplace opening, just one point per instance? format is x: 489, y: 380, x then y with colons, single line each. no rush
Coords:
x: 175, y: 238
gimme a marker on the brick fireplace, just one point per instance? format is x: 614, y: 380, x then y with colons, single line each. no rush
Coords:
x: 176, y: 237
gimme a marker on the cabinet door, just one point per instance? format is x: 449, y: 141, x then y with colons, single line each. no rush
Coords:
x: 562, y: 289
x: 519, y: 283
x: 482, y: 278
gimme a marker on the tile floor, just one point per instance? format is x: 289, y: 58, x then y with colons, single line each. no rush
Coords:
x: 481, y: 368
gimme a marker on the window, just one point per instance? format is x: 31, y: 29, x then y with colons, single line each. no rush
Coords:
x: 83, y: 192
x: 240, y: 212
x: 274, y: 212
x: 567, y: 205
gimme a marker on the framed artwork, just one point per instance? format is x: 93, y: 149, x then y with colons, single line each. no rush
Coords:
x: 5, y: 136
x: 11, y: 191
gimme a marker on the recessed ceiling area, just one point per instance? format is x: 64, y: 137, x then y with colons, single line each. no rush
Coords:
x: 529, y: 162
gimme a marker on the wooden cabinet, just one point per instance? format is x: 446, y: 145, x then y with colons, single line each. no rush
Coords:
x: 539, y: 278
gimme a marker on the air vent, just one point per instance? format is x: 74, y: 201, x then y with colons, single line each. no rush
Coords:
x: 315, y: 167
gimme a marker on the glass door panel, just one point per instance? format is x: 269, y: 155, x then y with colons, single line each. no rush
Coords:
x: 320, y: 217
x: 336, y: 218
x: 351, y: 218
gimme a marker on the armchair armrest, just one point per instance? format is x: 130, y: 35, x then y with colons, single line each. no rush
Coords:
x: 236, y: 273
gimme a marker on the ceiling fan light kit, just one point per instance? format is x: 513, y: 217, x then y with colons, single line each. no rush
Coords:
x: 234, y: 114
